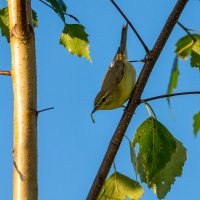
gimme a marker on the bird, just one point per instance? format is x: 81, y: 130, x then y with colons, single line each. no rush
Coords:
x: 119, y: 80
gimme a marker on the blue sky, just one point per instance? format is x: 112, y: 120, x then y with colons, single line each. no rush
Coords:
x: 70, y: 146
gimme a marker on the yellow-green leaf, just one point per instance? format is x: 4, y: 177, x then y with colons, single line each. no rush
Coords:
x: 195, y: 55
x: 163, y: 180
x: 156, y: 146
x: 75, y: 40
x: 173, y: 78
x: 119, y: 187
x: 184, y: 46
x: 196, y: 123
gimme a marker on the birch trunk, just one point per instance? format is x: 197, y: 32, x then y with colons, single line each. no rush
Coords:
x: 23, y: 74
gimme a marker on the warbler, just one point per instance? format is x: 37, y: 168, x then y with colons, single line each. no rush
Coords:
x: 119, y: 80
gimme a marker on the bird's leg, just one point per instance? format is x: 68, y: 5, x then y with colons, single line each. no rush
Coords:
x: 143, y: 60
x: 147, y: 57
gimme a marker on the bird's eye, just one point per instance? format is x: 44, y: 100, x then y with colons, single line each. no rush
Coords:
x: 103, y: 99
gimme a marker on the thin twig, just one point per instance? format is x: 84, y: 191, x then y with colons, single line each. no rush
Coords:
x: 131, y: 25
x: 142, y: 60
x: 57, y: 12
x: 169, y: 95
x: 43, y: 110
x: 187, y: 31
x: 192, y: 30
x: 5, y: 73
x: 133, y: 102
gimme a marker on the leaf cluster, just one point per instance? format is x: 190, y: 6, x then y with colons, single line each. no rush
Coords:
x: 73, y: 38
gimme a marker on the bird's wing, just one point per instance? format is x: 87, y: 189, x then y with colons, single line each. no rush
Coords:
x: 115, y: 72
x: 114, y: 75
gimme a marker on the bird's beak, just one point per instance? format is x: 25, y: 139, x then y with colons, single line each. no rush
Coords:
x: 94, y: 110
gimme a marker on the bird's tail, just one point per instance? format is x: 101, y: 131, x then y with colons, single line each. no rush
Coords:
x: 121, y: 52
x: 122, y: 48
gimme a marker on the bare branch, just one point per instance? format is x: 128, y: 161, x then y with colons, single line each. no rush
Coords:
x: 169, y: 95
x: 131, y: 25
x: 142, y: 60
x: 5, y: 73
x: 46, y: 109
x: 133, y: 102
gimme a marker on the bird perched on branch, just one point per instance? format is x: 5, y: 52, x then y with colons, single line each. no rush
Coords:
x: 119, y: 80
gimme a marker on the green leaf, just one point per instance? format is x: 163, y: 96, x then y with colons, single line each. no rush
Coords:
x: 195, y: 55
x: 162, y: 181
x: 196, y: 123
x: 173, y: 78
x: 75, y: 40
x: 134, y: 159
x: 59, y: 7
x: 35, y: 20
x: 4, y: 22
x: 119, y: 187
x: 156, y: 146
x: 184, y: 46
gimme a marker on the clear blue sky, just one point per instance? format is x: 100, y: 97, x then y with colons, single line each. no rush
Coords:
x: 70, y: 146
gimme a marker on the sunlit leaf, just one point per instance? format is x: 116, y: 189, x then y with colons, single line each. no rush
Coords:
x: 75, y: 40
x: 119, y: 187
x: 173, y: 78
x: 59, y: 7
x: 134, y: 159
x: 196, y: 123
x: 195, y: 55
x: 184, y: 46
x: 4, y: 22
x: 156, y: 146
x: 163, y: 180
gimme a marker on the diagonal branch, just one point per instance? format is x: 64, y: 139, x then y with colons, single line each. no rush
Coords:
x: 168, y: 95
x: 131, y: 25
x: 133, y: 102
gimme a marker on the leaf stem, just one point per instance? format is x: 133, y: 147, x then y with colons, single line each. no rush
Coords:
x: 187, y: 31
x: 142, y: 60
x: 150, y: 109
x: 168, y: 95
x: 131, y: 25
x: 73, y: 17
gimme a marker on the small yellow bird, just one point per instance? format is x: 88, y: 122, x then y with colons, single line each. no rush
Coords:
x: 119, y: 80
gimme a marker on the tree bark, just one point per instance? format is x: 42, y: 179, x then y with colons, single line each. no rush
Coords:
x: 23, y: 74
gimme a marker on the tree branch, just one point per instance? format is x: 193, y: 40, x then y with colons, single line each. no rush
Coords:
x: 133, y: 102
x: 46, y: 109
x: 6, y: 73
x: 168, y: 95
x: 131, y: 25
